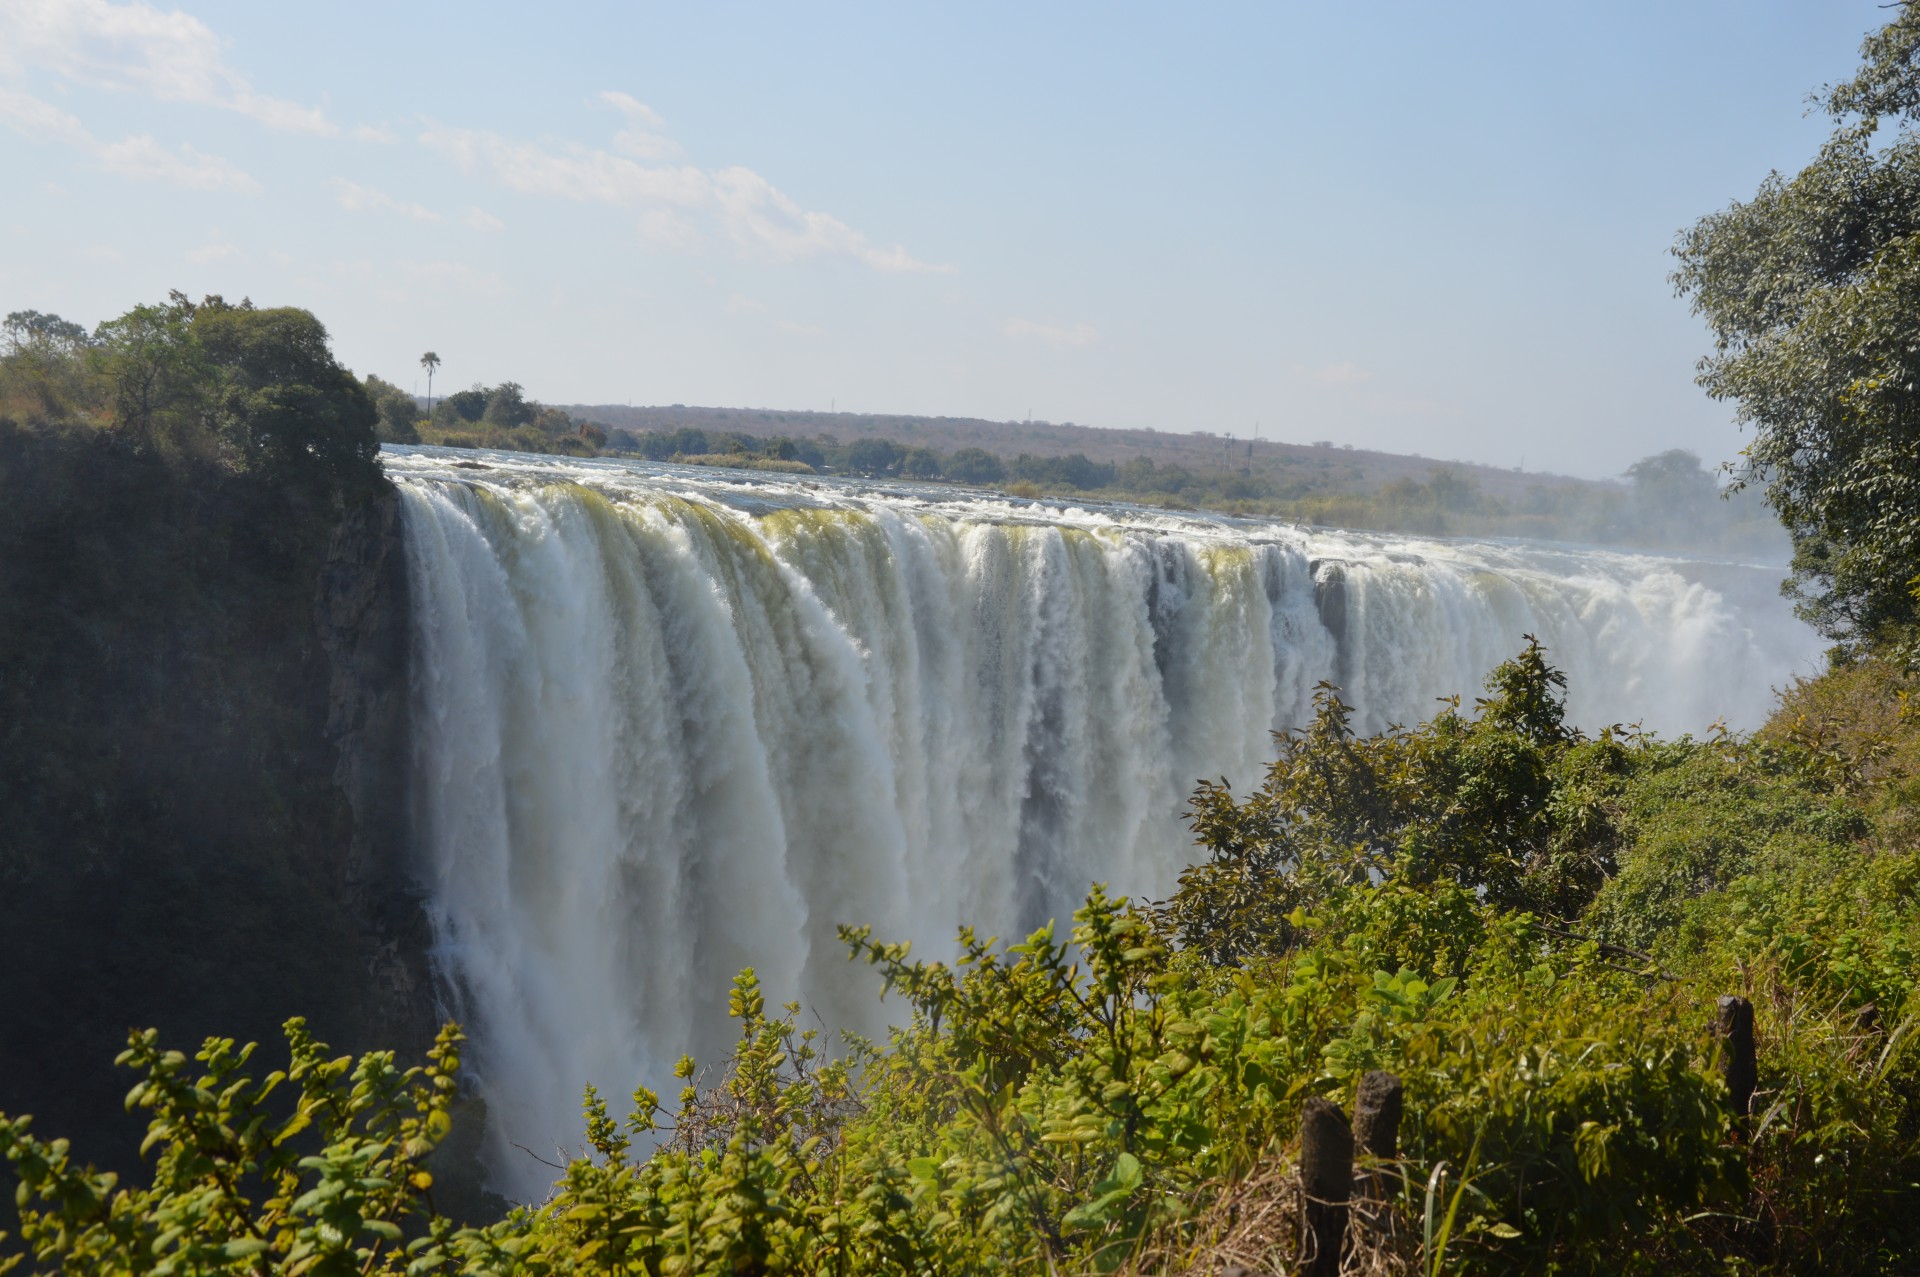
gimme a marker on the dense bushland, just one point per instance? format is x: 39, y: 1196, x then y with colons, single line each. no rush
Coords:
x: 1527, y: 925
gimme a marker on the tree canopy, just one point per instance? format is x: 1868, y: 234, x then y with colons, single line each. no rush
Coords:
x: 1812, y: 291
x: 254, y: 389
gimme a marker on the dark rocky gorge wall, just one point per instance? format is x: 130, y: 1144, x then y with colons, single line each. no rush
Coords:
x: 365, y: 631
x: 203, y: 774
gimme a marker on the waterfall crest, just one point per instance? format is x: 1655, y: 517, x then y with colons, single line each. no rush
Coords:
x: 672, y: 724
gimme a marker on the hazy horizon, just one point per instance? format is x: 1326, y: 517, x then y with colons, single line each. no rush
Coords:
x: 1411, y: 230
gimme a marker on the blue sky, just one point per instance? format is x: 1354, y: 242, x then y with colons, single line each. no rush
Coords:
x: 1428, y: 228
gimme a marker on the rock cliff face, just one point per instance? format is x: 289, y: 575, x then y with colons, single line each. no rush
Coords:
x: 204, y: 768
x: 361, y: 616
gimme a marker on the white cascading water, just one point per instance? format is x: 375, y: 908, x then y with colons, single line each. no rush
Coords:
x: 674, y: 723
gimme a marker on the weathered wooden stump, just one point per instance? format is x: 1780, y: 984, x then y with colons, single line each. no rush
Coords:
x: 1733, y: 1026
x: 1377, y: 1104
x: 1326, y: 1178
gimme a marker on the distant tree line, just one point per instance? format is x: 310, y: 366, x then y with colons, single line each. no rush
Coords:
x: 483, y: 417
x: 1670, y: 500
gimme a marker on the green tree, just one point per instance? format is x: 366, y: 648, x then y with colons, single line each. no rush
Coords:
x: 44, y: 373
x: 507, y: 406
x: 1673, y: 475
x: 398, y: 412
x: 430, y: 361
x: 157, y: 373
x: 257, y: 389
x: 31, y: 330
x: 975, y: 465
x: 462, y: 407
x: 874, y: 457
x: 1812, y: 291
x: 921, y: 463
x: 298, y: 414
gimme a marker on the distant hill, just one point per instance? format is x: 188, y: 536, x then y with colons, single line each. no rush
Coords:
x: 1345, y: 468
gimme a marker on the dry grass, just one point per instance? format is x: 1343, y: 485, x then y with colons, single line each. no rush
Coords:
x: 1252, y: 1229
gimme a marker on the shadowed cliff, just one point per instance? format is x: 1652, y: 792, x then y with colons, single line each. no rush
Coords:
x: 203, y: 752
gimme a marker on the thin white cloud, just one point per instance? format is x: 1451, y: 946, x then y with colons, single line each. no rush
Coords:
x: 666, y: 228
x: 457, y: 276
x: 645, y: 137
x: 677, y: 204
x: 375, y: 133
x: 40, y: 121
x: 138, y: 157
x: 404, y: 280
x: 799, y: 329
x: 481, y: 220
x: 214, y: 251
x: 100, y: 253
x: 1059, y: 336
x: 738, y: 305
x: 137, y: 48
x: 1341, y: 374
x: 145, y: 160
x: 356, y: 198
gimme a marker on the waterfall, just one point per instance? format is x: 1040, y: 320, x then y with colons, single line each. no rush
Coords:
x: 674, y: 723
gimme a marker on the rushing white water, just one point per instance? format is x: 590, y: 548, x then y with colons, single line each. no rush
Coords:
x: 672, y: 723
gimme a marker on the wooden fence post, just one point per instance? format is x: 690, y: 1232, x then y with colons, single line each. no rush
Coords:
x: 1733, y: 1026
x: 1326, y: 1178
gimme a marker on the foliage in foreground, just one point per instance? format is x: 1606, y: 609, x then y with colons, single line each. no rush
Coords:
x: 1482, y: 905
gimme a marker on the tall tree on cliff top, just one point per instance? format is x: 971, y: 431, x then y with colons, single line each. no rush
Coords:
x: 1812, y: 290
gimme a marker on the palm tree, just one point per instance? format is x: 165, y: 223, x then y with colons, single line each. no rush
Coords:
x: 429, y: 361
